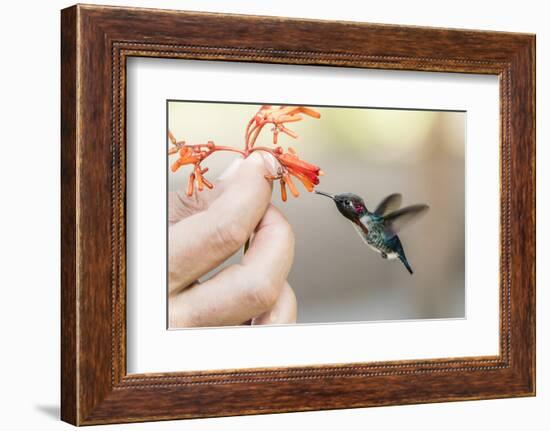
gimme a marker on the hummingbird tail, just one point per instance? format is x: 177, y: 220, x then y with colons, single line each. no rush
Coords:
x: 404, y: 260
x: 398, y: 248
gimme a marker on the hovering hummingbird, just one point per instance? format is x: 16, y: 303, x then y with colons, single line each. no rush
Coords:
x: 379, y: 229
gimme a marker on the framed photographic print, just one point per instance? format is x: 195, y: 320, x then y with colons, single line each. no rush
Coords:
x: 330, y: 222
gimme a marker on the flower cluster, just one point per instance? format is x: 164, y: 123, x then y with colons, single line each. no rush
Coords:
x: 289, y: 162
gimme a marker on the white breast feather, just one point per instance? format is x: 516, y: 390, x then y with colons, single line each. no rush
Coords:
x: 361, y: 234
x: 364, y: 220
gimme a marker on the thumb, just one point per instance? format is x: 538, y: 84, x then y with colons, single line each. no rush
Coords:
x: 244, y: 192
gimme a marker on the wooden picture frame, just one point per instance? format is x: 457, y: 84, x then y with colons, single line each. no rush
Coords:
x: 95, y: 43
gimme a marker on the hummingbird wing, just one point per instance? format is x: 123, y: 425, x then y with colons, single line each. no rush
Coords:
x: 389, y: 204
x: 395, y: 221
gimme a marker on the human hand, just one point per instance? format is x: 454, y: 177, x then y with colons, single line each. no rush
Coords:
x: 209, y: 227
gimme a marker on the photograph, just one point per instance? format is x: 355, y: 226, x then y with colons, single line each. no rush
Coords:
x: 283, y: 214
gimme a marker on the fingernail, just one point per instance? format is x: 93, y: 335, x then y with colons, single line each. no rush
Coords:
x: 269, y: 162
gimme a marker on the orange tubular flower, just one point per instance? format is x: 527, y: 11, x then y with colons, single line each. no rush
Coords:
x: 283, y: 190
x: 171, y: 137
x: 291, y: 185
x: 191, y: 184
x: 307, y: 173
x: 290, y: 165
x: 187, y: 157
x: 293, y: 110
x: 278, y: 117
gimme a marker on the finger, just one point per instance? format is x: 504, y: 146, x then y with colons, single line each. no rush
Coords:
x: 201, y: 242
x: 181, y: 206
x: 283, y: 312
x: 243, y: 291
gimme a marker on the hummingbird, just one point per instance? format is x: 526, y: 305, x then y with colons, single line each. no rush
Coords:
x: 379, y: 228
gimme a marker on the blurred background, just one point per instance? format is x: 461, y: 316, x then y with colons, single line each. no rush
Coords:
x: 373, y: 153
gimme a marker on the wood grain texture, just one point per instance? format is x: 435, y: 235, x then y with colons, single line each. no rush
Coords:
x: 96, y: 41
x: 68, y: 218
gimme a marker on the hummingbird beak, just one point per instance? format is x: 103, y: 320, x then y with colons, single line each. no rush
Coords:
x: 328, y: 195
